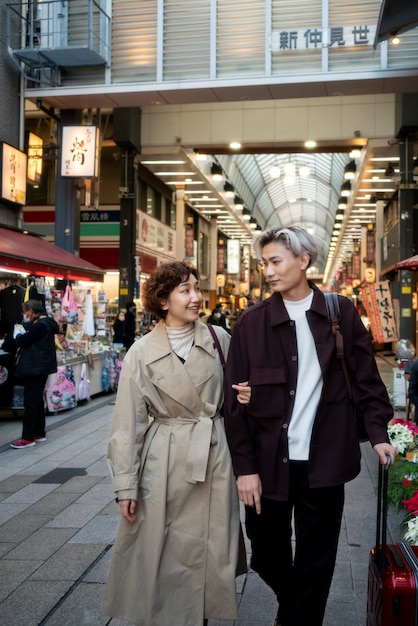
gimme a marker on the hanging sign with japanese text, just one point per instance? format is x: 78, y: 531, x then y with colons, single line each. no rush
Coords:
x: 377, y: 301
x: 13, y: 174
x: 79, y: 151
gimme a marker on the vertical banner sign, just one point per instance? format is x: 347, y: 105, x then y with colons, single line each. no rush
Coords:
x: 377, y: 301
x: 13, y: 174
x: 79, y: 152
x: 245, y: 273
x: 233, y: 256
x: 189, y: 240
x: 221, y: 259
x: 370, y: 247
x: 356, y: 265
x: 35, y: 153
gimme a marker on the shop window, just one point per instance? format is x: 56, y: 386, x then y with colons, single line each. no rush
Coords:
x: 170, y: 213
x: 153, y: 203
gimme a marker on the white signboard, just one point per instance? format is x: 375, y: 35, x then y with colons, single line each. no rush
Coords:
x: 79, y: 152
x: 152, y: 234
x: 233, y: 256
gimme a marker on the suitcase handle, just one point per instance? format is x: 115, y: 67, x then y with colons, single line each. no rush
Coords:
x: 382, y: 514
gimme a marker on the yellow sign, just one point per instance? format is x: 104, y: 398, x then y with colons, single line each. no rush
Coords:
x: 406, y: 312
x: 369, y: 274
x: 406, y: 289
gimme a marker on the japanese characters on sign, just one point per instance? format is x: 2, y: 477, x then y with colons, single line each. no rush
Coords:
x: 99, y: 217
x: 377, y: 301
x: 154, y: 235
x: 314, y: 38
x: 13, y: 174
x: 79, y: 153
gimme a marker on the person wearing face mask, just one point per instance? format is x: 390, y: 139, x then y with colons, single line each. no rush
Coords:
x: 36, y: 359
x: 214, y: 318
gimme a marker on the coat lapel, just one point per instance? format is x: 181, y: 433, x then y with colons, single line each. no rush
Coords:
x: 168, y: 372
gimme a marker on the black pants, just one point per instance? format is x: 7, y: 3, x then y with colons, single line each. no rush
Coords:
x: 300, y: 581
x: 33, y: 401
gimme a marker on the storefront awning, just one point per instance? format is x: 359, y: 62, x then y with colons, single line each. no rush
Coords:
x: 20, y: 252
x: 408, y: 264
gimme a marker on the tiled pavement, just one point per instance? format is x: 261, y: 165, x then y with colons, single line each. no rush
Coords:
x: 58, y: 520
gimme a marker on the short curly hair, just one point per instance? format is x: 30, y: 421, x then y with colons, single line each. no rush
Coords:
x: 163, y: 280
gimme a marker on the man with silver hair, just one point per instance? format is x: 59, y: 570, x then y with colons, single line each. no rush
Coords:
x: 294, y: 443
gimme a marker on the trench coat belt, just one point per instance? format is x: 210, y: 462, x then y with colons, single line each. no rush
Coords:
x: 198, y: 456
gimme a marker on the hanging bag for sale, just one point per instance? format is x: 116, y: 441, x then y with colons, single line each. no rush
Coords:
x: 69, y: 307
x: 83, y: 391
x: 60, y: 392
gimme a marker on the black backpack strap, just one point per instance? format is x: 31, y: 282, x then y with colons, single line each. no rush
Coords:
x: 334, y: 316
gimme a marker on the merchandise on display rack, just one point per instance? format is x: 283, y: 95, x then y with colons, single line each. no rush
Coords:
x: 83, y: 344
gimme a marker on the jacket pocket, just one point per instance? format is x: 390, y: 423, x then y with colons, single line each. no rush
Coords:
x: 268, y: 386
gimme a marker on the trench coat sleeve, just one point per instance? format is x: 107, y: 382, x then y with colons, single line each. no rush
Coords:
x: 130, y: 422
x: 236, y: 425
x: 369, y: 392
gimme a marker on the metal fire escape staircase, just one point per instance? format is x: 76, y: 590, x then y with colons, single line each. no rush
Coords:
x: 46, y: 36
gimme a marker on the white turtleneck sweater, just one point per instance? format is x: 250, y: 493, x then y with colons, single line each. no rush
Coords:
x: 181, y: 339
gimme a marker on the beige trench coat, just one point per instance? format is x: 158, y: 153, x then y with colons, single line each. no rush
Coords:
x: 176, y: 564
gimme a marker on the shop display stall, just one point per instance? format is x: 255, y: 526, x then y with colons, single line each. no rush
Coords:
x: 71, y: 291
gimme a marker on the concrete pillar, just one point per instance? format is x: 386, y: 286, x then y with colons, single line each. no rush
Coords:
x: 180, y: 224
x: 67, y: 195
x: 213, y: 264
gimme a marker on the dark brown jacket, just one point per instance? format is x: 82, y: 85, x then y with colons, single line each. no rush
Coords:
x: 263, y: 351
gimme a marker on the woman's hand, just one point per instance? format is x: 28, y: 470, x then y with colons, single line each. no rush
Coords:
x: 244, y: 392
x: 249, y: 490
x: 127, y: 509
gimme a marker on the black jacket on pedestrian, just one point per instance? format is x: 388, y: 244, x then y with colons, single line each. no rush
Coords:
x: 36, y: 355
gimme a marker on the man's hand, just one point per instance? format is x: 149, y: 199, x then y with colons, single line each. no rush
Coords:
x: 127, y: 509
x: 249, y: 490
x: 383, y: 450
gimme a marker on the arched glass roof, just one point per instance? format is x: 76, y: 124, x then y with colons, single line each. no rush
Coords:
x: 290, y: 189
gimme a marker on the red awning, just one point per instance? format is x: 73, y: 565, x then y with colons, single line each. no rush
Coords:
x: 408, y: 264
x: 21, y: 252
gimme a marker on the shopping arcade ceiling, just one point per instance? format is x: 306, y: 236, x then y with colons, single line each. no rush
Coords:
x: 307, y: 192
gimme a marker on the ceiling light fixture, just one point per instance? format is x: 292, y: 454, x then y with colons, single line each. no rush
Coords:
x: 275, y: 171
x: 350, y: 170
x: 342, y: 202
x: 235, y: 145
x: 346, y: 189
x: 395, y: 39
x: 355, y: 153
x: 216, y: 172
x: 239, y: 205
x: 310, y: 143
x: 229, y: 190
x: 390, y: 170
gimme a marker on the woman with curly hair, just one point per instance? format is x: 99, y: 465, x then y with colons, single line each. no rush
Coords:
x: 176, y: 553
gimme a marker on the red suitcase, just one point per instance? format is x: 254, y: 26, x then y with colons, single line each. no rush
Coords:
x: 392, y: 598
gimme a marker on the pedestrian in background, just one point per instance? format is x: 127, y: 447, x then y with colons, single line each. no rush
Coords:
x: 295, y: 443
x: 119, y: 329
x: 214, y: 318
x: 175, y: 556
x: 36, y: 359
x: 130, y: 324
